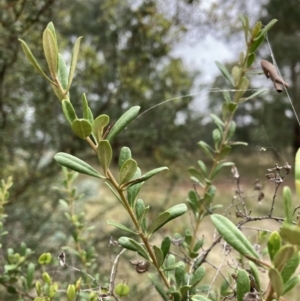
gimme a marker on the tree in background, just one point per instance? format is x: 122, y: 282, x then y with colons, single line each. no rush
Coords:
x: 285, y: 43
x: 127, y: 60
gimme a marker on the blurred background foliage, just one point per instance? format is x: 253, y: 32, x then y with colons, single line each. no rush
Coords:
x: 125, y: 59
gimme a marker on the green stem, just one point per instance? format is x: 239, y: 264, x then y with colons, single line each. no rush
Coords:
x: 141, y: 234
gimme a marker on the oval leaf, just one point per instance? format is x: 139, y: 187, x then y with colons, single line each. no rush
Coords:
x: 74, y: 58
x: 233, y: 236
x: 62, y: 72
x: 255, y: 274
x: 290, y: 268
x: 198, y: 275
x: 76, y: 164
x: 274, y: 244
x: 127, y: 171
x: 68, y: 111
x: 133, y: 245
x: 50, y: 51
x: 165, y: 246
x: 82, y: 128
x: 123, y: 121
x: 121, y: 227
x: 147, y: 175
x: 283, y: 256
x: 98, y: 126
x: 125, y: 154
x: 33, y: 61
x: 167, y: 216
x: 104, y: 152
x: 133, y: 190
x: 225, y: 72
x: 290, y: 234
x: 291, y: 284
x: 158, y: 255
x: 242, y: 284
x: 276, y: 282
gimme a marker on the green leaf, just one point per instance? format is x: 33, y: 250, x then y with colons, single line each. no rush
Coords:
x: 71, y: 292
x: 123, y: 122
x: 274, y: 244
x: 297, y: 172
x: 76, y: 164
x: 232, y: 106
x: 51, y: 27
x: 266, y: 29
x: 202, y: 167
x: 125, y: 154
x: 115, y: 193
x: 225, y: 72
x: 255, y: 274
x: 68, y: 111
x: 256, y: 44
x: 290, y: 284
x: 242, y: 284
x: 128, y: 170
x: 225, y: 152
x: 62, y: 72
x: 217, y: 136
x: 198, y: 275
x: 193, y: 200
x: 218, y: 121
x: 256, y: 94
x: 226, y: 96
x: 231, y: 129
x: 283, y: 256
x: 104, y: 152
x: 250, y: 59
x: 167, y: 216
x: 233, y: 236
x: 133, y: 190
x: 218, y: 168
x: 74, y: 58
x: 245, y: 22
x: 159, y: 288
x: 165, y: 246
x: 290, y: 267
x: 243, y: 87
x: 256, y: 30
x: 290, y: 233
x: 158, y: 255
x: 147, y: 176
x: 98, y: 126
x: 236, y: 72
x: 121, y: 227
x: 196, y: 174
x: 30, y: 274
x: 179, y: 274
x: 141, y: 212
x: 276, y: 282
x: 87, y: 113
x: 206, y: 149
x: 50, y: 51
x: 288, y: 205
x: 33, y: 61
x: 133, y: 245
x: 45, y: 258
x: 82, y: 128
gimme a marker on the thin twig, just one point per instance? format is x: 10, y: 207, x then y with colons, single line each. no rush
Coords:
x: 114, y: 272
